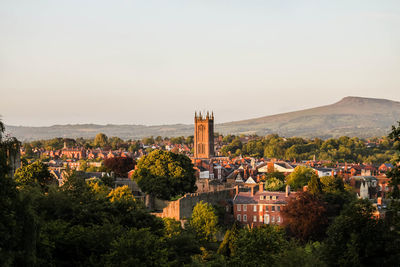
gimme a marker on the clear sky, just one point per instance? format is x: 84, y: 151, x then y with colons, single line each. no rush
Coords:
x: 156, y: 62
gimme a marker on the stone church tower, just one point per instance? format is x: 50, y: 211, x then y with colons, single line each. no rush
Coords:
x: 203, y: 136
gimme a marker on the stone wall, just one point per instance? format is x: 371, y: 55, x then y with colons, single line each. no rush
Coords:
x: 182, y: 208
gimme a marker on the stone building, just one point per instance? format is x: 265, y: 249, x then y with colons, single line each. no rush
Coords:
x: 203, y: 136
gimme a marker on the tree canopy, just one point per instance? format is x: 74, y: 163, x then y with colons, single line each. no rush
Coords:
x: 165, y: 174
x: 204, y: 221
x: 300, y: 177
x: 34, y: 174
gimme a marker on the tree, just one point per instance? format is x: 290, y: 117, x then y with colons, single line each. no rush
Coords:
x: 138, y: 247
x: 356, y: 238
x: 227, y: 247
x: 100, y: 140
x: 116, y: 142
x: 258, y: 246
x: 393, y: 214
x: 122, y: 194
x: 165, y: 174
x: 305, y: 217
x: 34, y: 174
x: 204, y: 221
x: 119, y: 165
x: 314, y: 186
x: 274, y: 184
x: 300, y: 177
x: 8, y: 202
x: 148, y: 141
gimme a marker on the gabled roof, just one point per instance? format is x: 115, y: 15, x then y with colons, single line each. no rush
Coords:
x: 250, y: 181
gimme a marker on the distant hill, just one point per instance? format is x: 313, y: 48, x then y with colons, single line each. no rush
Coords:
x: 351, y: 116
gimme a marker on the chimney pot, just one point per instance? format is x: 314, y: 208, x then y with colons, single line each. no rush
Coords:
x: 287, y: 190
x: 261, y: 187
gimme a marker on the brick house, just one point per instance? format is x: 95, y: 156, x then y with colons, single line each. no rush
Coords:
x: 261, y: 207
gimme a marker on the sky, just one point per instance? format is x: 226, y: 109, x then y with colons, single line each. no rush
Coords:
x: 157, y: 62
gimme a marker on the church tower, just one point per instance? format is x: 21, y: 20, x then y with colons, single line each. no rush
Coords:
x: 203, y: 136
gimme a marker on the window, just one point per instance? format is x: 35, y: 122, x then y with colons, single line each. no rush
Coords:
x: 278, y: 219
x: 273, y: 208
x: 254, y: 207
x: 261, y: 197
x: 273, y: 197
x: 266, y: 209
x: 261, y: 218
x: 245, y: 218
x: 260, y: 208
x: 239, y: 217
x: 244, y: 207
x: 278, y: 208
x: 227, y: 208
x: 267, y: 197
x: 266, y: 219
x: 238, y: 207
x: 272, y: 218
x: 254, y: 218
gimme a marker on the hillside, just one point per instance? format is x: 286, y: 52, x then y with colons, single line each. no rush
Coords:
x: 351, y: 116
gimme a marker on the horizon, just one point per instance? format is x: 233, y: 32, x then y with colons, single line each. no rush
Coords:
x: 217, y: 122
x: 152, y: 63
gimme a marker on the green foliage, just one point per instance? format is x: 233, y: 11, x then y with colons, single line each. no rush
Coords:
x: 34, y: 174
x: 234, y: 148
x: 122, y: 194
x: 357, y: 239
x: 274, y: 184
x: 275, y: 174
x: 138, y: 247
x: 116, y: 143
x: 314, y: 186
x: 300, y: 177
x: 148, y: 141
x: 101, y: 140
x: 172, y: 227
x: 227, y: 247
x: 165, y: 174
x: 204, y: 221
x: 259, y: 245
x: 298, y: 255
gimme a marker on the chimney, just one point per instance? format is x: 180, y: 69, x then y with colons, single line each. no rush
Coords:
x: 287, y: 190
x: 252, y: 191
x: 379, y: 201
x: 261, y: 187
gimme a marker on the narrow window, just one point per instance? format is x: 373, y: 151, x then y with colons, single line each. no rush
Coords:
x: 273, y: 219
x: 244, y: 207
x: 238, y: 207
x: 245, y: 218
x: 254, y: 218
x: 273, y: 208
x: 239, y: 217
x: 254, y: 207
x: 278, y: 208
